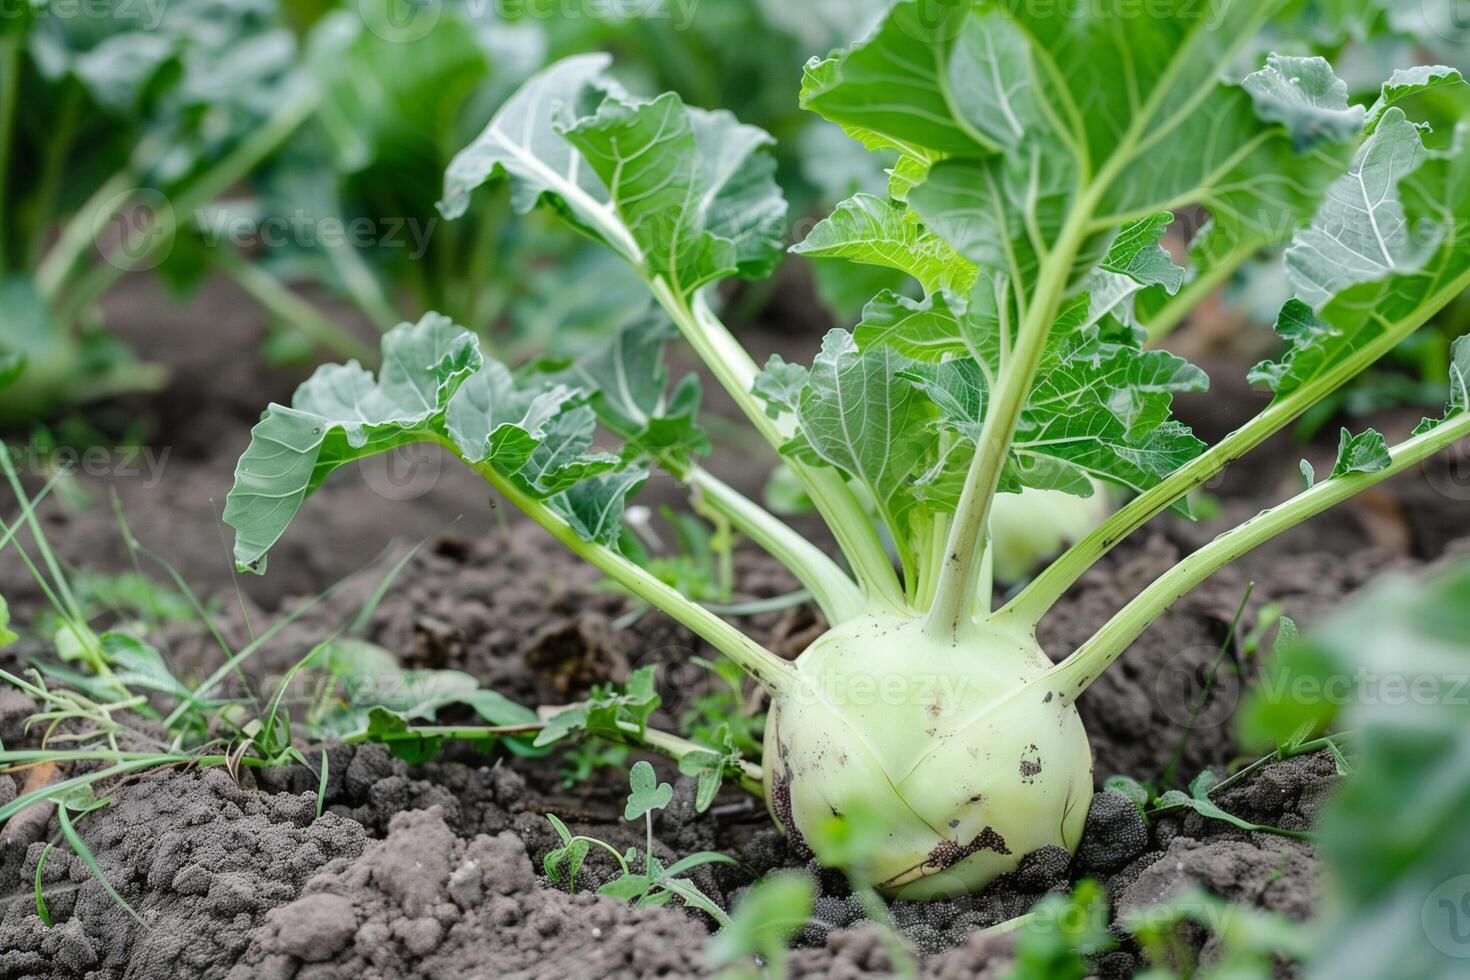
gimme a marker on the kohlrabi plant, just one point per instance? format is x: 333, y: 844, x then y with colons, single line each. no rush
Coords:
x: 1040, y: 155
x: 116, y: 124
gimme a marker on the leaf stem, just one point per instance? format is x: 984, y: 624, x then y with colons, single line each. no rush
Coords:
x: 1073, y: 676
x: 835, y: 593
x: 964, y: 551
x: 770, y: 671
x: 1046, y: 589
x: 736, y: 372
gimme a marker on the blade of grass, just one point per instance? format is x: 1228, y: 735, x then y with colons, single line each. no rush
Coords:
x: 321, y: 790
x: 80, y: 847
x: 41, y: 911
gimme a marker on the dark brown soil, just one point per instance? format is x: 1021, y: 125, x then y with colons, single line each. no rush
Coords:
x: 434, y: 870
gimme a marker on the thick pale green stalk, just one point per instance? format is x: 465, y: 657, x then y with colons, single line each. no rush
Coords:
x: 1048, y: 587
x: 736, y: 372
x: 1071, y: 677
x: 769, y: 670
x: 964, y: 551
x: 835, y: 593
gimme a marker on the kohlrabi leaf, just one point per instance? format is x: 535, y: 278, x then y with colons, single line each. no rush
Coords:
x: 1435, y: 207
x: 872, y: 231
x: 710, y: 767
x: 494, y: 421
x: 965, y: 81
x: 628, y: 382
x: 607, y: 712
x: 1459, y: 402
x: 780, y: 385
x: 341, y: 414
x: 894, y: 84
x: 1362, y: 233
x: 1139, y: 254
x: 1405, y: 83
x: 1306, y: 97
x: 1308, y: 339
x: 435, y: 387
x: 523, y: 143
x: 925, y: 330
x: 1103, y: 408
x: 594, y: 507
x: 684, y: 194
x: 860, y: 415
x: 1363, y: 453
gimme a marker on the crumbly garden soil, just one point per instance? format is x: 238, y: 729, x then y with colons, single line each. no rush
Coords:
x: 434, y: 870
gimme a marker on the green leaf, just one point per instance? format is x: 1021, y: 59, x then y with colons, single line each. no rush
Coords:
x: 1139, y: 254
x: 925, y: 330
x: 872, y: 231
x: 1200, y: 803
x: 594, y: 507
x: 434, y: 387
x: 711, y: 768
x: 607, y: 711
x: 1309, y: 340
x: 1306, y: 97
x: 648, y: 794
x: 1103, y: 408
x: 1458, y: 404
x: 780, y: 385
x: 894, y: 83
x: 1362, y: 233
x: 339, y: 415
x: 563, y: 863
x: 858, y: 414
x: 629, y: 385
x: 1365, y: 453
x: 684, y: 194
x: 1435, y: 201
x: 1404, y: 84
x: 393, y: 731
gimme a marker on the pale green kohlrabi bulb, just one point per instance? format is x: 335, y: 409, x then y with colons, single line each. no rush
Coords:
x: 971, y: 762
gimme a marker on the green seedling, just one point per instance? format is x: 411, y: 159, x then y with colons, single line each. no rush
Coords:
x: 656, y: 885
